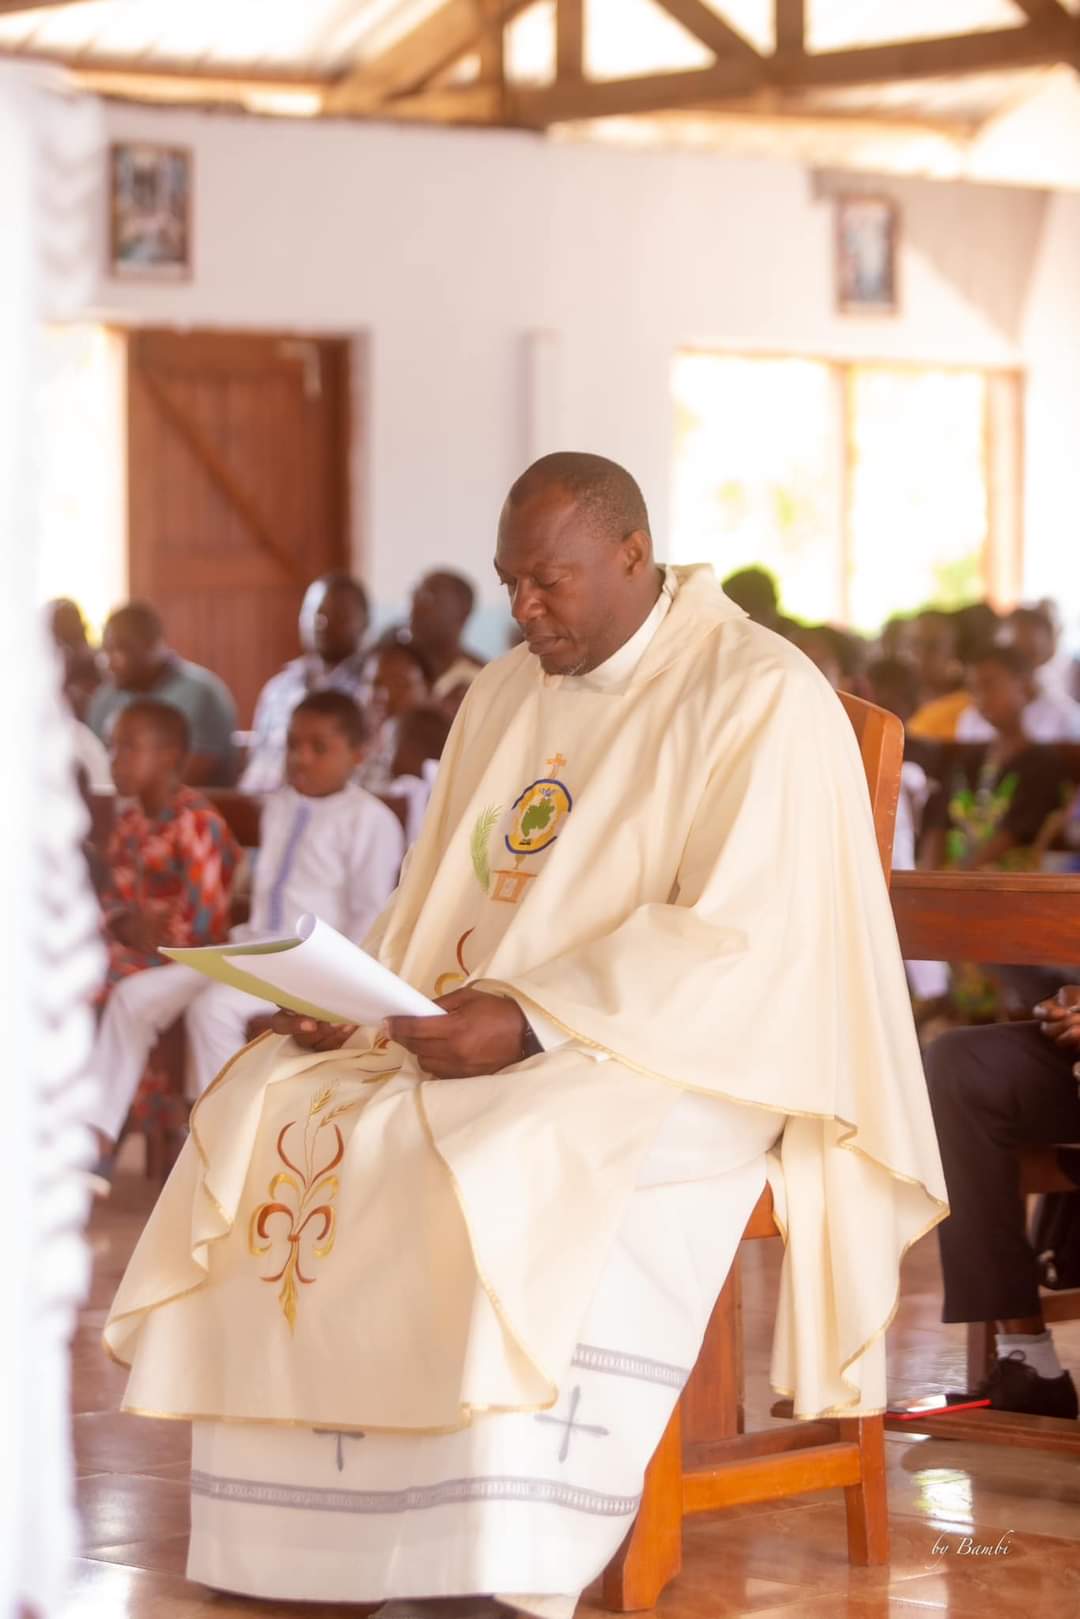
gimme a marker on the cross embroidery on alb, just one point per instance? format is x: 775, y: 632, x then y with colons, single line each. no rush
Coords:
x: 571, y: 1424
x: 334, y: 1433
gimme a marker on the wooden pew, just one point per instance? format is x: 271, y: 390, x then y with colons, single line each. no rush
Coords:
x: 1030, y: 920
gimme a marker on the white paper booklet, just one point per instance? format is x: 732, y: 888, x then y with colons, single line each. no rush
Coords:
x: 316, y: 971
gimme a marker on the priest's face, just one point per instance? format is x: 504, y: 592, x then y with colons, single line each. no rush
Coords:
x: 577, y: 595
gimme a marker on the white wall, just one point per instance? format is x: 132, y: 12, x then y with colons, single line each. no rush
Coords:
x: 446, y: 250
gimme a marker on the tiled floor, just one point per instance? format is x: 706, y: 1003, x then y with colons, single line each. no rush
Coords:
x: 784, y: 1559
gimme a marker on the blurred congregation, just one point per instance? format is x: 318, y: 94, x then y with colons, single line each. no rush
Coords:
x: 991, y: 780
x: 990, y: 702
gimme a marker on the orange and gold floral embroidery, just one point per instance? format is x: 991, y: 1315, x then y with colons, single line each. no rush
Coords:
x: 299, y: 1208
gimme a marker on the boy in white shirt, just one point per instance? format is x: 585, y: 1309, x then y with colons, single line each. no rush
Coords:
x: 327, y: 847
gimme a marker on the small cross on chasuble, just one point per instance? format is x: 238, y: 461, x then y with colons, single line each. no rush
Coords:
x: 536, y: 819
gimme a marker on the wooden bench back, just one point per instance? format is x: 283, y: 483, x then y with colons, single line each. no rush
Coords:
x: 240, y: 811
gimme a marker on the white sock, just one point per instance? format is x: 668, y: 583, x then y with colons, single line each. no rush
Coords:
x: 1037, y: 1349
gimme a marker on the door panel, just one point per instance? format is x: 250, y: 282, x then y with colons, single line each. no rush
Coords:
x: 237, y: 488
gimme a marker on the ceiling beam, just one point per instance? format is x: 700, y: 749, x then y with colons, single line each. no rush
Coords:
x: 491, y: 46
x: 9, y: 6
x: 458, y: 27
x: 456, y: 104
x: 1043, y: 10
x: 655, y: 92
x: 703, y: 23
x: 996, y: 49
x: 233, y: 80
x: 790, y: 27
x: 569, y: 40
x: 449, y: 33
x: 874, y: 64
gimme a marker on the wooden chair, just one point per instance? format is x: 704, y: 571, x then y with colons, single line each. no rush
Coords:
x: 704, y: 1461
x: 1029, y: 919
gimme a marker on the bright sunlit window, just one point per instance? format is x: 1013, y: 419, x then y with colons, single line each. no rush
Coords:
x: 867, y: 490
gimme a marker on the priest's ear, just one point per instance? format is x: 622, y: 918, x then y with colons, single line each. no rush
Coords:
x: 636, y: 551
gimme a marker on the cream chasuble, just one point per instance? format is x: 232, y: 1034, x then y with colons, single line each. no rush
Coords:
x: 678, y: 871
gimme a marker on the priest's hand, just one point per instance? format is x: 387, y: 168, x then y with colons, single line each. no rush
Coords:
x: 309, y: 1034
x: 1059, y: 1017
x: 479, y: 1035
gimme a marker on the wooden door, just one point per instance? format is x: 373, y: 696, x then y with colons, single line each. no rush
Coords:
x: 237, y: 490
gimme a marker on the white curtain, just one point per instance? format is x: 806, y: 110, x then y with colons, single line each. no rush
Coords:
x: 49, y: 952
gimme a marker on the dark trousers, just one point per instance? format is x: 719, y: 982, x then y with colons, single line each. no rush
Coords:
x: 994, y: 1090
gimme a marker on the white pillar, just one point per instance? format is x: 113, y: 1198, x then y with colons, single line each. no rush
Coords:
x: 49, y: 953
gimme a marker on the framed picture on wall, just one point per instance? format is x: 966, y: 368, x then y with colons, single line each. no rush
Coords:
x: 149, y: 211
x: 867, y: 251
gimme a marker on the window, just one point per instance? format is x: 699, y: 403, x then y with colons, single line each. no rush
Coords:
x: 866, y: 489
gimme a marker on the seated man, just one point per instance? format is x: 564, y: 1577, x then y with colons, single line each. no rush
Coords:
x: 141, y: 665
x: 450, y: 1276
x: 442, y: 604
x: 334, y: 618
x: 994, y: 1090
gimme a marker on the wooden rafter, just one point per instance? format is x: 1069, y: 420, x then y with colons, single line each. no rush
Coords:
x: 8, y: 6
x: 656, y: 92
x: 412, y: 78
x: 790, y: 27
x: 455, y: 104
x: 455, y: 29
x: 1029, y: 46
x: 491, y: 45
x: 960, y: 54
x: 230, y: 83
x: 569, y: 40
x: 437, y: 42
x: 1044, y: 10
x: 705, y: 25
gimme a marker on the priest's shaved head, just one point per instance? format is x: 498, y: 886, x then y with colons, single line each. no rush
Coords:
x: 575, y: 554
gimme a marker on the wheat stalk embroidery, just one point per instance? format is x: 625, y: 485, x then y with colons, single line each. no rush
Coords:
x: 478, y: 844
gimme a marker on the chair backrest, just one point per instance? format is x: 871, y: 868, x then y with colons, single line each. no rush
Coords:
x: 880, y: 736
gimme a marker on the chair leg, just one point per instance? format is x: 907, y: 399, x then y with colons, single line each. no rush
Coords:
x: 867, y: 1502
x: 651, y: 1554
x: 980, y: 1351
x: 154, y: 1138
x: 712, y: 1407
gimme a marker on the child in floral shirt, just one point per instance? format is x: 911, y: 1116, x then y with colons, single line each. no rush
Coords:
x: 171, y: 857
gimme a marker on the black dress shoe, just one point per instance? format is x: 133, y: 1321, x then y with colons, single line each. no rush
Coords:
x: 1013, y: 1385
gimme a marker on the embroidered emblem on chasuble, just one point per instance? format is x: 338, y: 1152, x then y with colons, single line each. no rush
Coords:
x: 537, y: 817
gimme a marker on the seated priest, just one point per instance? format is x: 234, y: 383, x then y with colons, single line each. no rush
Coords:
x: 432, y: 1290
